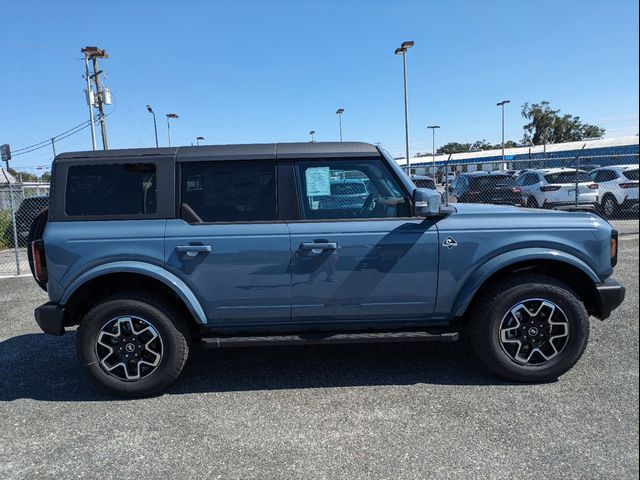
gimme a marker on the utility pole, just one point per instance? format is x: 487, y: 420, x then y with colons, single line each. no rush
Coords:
x: 90, y: 98
x: 93, y: 53
x: 53, y: 146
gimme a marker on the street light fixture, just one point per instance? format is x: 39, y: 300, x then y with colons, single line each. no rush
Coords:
x: 433, y: 134
x: 198, y: 140
x: 339, y: 112
x: 169, y: 116
x: 155, y: 125
x: 312, y: 133
x: 402, y: 50
x: 502, y: 104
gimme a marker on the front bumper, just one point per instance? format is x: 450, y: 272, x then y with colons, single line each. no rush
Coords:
x: 50, y: 318
x: 610, y: 296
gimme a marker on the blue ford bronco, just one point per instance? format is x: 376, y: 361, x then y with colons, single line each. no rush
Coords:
x: 149, y: 251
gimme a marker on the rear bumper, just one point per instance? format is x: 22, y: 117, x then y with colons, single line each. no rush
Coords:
x: 50, y: 318
x: 610, y: 295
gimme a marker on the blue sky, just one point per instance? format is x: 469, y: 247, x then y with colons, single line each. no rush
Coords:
x: 252, y: 71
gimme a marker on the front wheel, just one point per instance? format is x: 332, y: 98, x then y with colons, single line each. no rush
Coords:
x: 530, y: 328
x: 133, y: 344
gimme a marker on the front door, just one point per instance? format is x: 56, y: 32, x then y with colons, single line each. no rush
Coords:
x: 229, y: 246
x: 356, y: 253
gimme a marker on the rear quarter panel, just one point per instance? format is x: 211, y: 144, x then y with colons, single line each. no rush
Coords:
x: 73, y: 248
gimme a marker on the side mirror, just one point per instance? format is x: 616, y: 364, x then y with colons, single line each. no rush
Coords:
x: 427, y: 202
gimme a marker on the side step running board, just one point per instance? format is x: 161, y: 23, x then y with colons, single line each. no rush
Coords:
x: 320, y: 339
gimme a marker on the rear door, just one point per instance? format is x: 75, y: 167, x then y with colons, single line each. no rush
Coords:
x: 359, y: 261
x: 229, y: 245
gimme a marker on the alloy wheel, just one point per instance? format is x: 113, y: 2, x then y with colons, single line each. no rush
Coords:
x: 129, y: 348
x: 534, y: 331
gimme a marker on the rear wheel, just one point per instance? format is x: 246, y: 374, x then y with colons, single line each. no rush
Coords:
x: 610, y: 206
x: 532, y: 203
x: 133, y: 344
x: 530, y: 328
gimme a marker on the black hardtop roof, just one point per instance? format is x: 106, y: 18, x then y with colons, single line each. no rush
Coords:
x: 256, y: 151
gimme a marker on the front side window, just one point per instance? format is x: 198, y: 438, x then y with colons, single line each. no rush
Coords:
x: 343, y: 189
x: 109, y: 190
x: 230, y: 191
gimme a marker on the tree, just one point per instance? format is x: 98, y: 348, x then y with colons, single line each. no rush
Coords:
x: 478, y: 145
x: 46, y: 177
x: 546, y: 125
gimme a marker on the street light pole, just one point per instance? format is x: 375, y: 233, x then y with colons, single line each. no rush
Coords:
x: 402, y: 50
x: 433, y: 135
x: 155, y: 125
x: 502, y: 104
x: 198, y: 140
x: 339, y: 112
x: 169, y: 116
x: 312, y: 133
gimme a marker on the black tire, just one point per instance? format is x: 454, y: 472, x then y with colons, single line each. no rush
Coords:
x: 172, y: 330
x: 609, y: 206
x: 35, y: 233
x: 532, y: 203
x: 497, y: 300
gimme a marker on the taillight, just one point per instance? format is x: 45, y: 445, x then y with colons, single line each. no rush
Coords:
x: 593, y: 186
x: 39, y: 261
x: 614, y: 248
x: 629, y: 185
x: 550, y: 188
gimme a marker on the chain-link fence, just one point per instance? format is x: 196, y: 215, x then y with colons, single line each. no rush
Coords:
x: 606, y: 184
x: 20, y: 203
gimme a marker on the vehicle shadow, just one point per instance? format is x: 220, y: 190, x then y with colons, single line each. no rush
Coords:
x: 42, y: 367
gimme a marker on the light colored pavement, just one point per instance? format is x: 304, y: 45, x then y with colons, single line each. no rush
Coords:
x: 353, y: 411
x: 8, y: 262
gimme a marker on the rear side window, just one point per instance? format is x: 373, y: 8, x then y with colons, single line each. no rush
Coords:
x: 567, y: 177
x: 631, y: 174
x: 116, y: 189
x: 230, y: 192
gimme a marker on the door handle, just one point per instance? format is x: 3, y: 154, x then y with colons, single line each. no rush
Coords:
x: 193, y: 250
x: 319, y: 246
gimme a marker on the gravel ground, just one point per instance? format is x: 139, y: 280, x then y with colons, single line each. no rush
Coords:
x: 375, y: 411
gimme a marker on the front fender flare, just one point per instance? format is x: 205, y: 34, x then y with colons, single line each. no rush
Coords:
x: 153, y: 271
x: 486, y: 270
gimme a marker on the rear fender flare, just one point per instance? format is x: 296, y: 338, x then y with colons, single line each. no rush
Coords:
x: 153, y: 271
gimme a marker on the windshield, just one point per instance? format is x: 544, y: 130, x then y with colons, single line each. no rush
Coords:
x: 631, y: 174
x: 567, y: 177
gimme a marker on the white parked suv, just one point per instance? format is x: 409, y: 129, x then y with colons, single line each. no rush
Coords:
x: 556, y: 187
x: 618, y: 188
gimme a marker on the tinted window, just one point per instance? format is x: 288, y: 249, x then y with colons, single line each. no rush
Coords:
x: 604, y: 176
x: 124, y: 189
x: 631, y: 174
x: 490, y: 181
x: 567, y: 177
x: 230, y: 192
x: 334, y: 189
x: 424, y: 183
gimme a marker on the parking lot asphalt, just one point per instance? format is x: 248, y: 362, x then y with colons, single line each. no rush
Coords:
x: 345, y: 411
